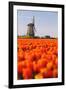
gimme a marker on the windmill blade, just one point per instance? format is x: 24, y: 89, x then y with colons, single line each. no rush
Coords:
x: 34, y: 29
x: 34, y: 23
x: 33, y: 20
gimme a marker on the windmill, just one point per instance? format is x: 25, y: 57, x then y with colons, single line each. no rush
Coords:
x: 34, y: 23
x: 31, y: 28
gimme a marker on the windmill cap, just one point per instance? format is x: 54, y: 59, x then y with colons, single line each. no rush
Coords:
x: 30, y: 24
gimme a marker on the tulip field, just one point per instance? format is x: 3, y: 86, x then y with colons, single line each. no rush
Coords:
x: 37, y: 58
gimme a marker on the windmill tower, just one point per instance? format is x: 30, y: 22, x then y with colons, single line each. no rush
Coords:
x: 31, y: 28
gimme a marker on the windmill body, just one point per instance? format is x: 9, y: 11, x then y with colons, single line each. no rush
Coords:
x: 31, y: 29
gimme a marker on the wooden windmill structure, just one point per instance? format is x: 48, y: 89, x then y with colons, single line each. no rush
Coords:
x: 31, y: 28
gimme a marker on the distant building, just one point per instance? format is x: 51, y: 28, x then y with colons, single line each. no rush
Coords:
x: 47, y: 36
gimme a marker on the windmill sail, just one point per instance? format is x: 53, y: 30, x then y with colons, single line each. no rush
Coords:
x: 34, y: 23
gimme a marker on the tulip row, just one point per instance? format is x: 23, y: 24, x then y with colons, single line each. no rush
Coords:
x: 37, y: 58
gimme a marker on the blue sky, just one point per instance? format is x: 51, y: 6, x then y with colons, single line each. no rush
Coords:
x: 46, y: 22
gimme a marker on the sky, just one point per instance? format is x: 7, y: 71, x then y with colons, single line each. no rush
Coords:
x: 46, y: 22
